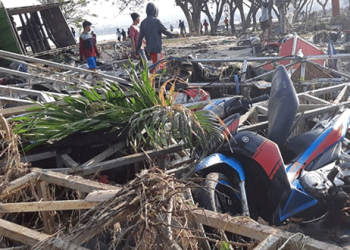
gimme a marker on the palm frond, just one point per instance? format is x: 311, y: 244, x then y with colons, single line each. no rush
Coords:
x: 152, y: 119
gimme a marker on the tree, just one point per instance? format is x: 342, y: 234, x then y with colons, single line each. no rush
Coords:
x: 219, y: 8
x: 323, y: 3
x: 74, y: 11
x: 299, y: 6
x: 192, y: 10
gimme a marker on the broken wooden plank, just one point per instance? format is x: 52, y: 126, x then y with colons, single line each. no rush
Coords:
x: 342, y: 95
x: 18, y: 185
x: 304, y: 107
x: 306, y: 114
x: 68, y: 161
x: 100, y: 195
x: 249, y: 228
x: 44, y: 206
x: 312, y: 99
x: 31, y: 237
x: 121, y: 81
x: 70, y: 181
x: 326, y: 90
x: 126, y: 160
x: 270, y: 243
x: 17, y: 110
x: 105, y: 154
x: 47, y: 217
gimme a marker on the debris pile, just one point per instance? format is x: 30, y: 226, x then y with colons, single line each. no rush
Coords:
x: 197, y: 151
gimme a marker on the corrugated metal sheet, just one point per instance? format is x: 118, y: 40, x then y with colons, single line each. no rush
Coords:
x: 8, y: 38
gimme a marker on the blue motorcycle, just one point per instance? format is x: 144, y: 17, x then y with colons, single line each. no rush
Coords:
x: 276, y: 177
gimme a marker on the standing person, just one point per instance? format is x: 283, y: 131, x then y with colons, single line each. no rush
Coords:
x: 152, y: 29
x: 180, y: 28
x: 171, y: 28
x: 134, y: 35
x: 226, y: 23
x: 119, y: 35
x: 124, y: 35
x: 128, y: 33
x: 206, y: 24
x: 87, y: 47
x: 73, y: 31
x: 265, y: 21
x: 94, y: 37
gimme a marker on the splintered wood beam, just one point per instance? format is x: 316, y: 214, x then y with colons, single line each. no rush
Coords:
x: 249, y: 228
x: 312, y: 99
x: 43, y: 206
x: 105, y: 154
x: 47, y: 217
x: 341, y: 95
x: 270, y: 243
x: 31, y: 237
x: 304, y: 107
x: 18, y: 185
x: 306, y: 114
x: 70, y: 181
x: 326, y: 90
x: 17, y: 110
x: 126, y: 160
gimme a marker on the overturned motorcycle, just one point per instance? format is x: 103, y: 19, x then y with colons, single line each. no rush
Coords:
x: 276, y: 177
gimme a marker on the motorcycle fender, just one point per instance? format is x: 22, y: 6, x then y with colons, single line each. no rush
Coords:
x: 221, y: 163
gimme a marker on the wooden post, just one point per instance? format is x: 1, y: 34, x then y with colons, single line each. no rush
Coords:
x: 31, y: 237
x: 47, y: 217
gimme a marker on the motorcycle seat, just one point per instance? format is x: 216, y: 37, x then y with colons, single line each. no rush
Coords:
x: 294, y: 147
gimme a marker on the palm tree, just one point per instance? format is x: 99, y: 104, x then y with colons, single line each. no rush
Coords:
x: 152, y: 119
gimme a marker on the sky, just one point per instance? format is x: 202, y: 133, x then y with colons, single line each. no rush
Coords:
x: 108, y: 15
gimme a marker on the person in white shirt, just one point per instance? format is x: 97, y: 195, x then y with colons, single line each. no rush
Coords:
x: 265, y: 22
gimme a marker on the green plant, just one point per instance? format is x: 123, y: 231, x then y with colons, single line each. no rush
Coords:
x: 152, y: 119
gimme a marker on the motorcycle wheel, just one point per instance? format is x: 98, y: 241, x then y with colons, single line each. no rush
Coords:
x: 219, y: 194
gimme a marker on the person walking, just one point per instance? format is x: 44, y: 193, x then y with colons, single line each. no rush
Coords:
x: 119, y: 35
x: 123, y: 34
x: 134, y: 36
x: 152, y: 29
x: 206, y: 25
x: 87, y: 47
x: 265, y: 23
x: 226, y: 23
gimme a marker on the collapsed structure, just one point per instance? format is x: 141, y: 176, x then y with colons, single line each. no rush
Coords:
x: 87, y: 190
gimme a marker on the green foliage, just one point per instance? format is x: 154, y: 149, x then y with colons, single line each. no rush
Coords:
x: 224, y: 246
x: 152, y: 120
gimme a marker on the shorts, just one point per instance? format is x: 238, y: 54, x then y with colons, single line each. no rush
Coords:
x: 91, y: 61
x: 265, y: 25
x: 156, y: 57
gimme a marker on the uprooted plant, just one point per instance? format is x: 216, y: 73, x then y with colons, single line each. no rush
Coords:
x: 151, y: 119
x: 150, y: 212
x: 9, y: 154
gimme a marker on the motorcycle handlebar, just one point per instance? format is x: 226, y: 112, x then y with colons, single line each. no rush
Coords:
x: 260, y: 99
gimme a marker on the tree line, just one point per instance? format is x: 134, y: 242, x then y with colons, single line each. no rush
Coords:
x: 213, y: 10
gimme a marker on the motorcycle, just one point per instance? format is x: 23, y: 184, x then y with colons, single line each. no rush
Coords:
x: 276, y: 177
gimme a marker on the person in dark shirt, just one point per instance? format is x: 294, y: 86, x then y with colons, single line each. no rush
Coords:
x: 119, y: 35
x: 152, y: 29
x: 206, y: 25
x: 87, y: 47
x: 124, y: 35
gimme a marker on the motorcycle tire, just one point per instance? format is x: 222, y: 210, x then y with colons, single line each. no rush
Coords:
x: 219, y: 194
